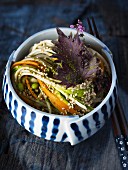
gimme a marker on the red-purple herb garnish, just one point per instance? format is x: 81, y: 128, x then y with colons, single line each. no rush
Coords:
x: 78, y: 63
x: 79, y: 27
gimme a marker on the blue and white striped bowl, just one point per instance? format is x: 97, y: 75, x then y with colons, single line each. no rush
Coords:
x: 57, y: 127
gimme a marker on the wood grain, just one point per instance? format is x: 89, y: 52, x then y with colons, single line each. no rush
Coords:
x: 20, y: 19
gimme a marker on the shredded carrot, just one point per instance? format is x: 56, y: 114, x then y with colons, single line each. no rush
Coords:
x: 102, y: 65
x: 25, y: 62
x: 29, y: 62
x: 60, y: 105
x: 29, y: 88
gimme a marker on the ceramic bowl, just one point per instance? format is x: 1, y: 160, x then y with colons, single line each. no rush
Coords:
x: 59, y: 128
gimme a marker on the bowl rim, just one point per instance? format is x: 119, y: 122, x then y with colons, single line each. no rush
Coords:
x: 103, y: 49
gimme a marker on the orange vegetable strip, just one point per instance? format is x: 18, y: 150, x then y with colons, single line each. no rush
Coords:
x: 30, y: 89
x: 60, y: 105
x: 102, y: 65
x: 29, y: 62
x: 25, y: 62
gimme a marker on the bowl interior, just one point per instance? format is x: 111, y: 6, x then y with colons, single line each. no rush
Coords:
x: 51, y: 34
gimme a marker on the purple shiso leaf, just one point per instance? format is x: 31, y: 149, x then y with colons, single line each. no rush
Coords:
x: 77, y: 61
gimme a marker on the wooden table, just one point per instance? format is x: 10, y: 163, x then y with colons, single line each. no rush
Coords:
x: 18, y: 20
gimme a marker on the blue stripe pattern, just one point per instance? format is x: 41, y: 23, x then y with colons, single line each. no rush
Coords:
x: 104, y: 111
x: 4, y: 81
x: 10, y: 100
x: 111, y: 104
x: 23, y: 110
x: 86, y: 125
x: 55, y: 130
x: 31, y: 122
x: 115, y: 93
x: 6, y: 91
x: 96, y: 118
x: 64, y: 137
x: 45, y: 120
x: 15, y: 108
x: 76, y: 130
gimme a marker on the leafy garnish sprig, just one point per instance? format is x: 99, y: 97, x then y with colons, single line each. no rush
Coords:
x: 77, y: 62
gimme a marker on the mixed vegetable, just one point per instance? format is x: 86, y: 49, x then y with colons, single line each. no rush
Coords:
x: 62, y: 77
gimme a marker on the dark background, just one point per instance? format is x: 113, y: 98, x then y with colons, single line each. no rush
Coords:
x: 18, y: 20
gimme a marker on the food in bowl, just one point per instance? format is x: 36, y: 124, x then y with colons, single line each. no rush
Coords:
x: 72, y: 128
x: 63, y: 76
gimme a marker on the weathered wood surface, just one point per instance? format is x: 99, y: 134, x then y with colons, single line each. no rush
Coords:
x: 20, y: 19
